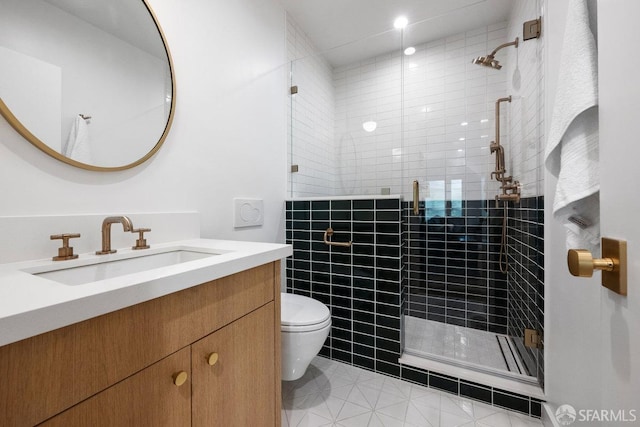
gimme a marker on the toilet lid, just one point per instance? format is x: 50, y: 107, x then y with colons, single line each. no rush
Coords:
x: 297, y: 310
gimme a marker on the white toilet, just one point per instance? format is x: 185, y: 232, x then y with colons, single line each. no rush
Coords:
x: 305, y: 325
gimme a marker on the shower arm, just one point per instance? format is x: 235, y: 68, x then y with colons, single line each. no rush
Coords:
x: 502, y: 46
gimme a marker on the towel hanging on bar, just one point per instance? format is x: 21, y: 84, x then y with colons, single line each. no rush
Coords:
x: 572, y: 148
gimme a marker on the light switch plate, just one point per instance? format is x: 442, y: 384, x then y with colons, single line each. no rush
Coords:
x: 248, y: 212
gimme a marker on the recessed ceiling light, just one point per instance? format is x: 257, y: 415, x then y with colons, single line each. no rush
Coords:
x: 369, y: 126
x: 461, y: 139
x: 400, y: 22
x: 464, y: 124
x: 484, y: 120
x: 410, y: 51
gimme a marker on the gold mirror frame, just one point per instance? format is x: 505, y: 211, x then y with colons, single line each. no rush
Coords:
x: 25, y: 133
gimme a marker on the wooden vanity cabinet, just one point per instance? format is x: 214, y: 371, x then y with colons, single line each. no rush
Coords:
x: 120, y: 368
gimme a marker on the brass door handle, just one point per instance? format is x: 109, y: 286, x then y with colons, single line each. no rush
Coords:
x: 180, y: 378
x: 581, y: 263
x: 613, y: 264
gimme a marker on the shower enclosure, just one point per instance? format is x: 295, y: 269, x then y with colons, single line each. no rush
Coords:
x: 395, y: 152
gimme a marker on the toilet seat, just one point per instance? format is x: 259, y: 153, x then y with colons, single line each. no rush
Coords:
x: 303, y: 314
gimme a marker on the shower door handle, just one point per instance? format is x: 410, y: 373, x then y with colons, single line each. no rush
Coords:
x: 416, y: 197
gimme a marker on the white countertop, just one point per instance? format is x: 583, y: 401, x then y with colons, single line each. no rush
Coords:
x: 31, y: 305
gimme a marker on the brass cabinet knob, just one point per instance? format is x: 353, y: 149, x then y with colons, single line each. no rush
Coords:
x: 581, y: 263
x: 180, y: 378
x: 212, y: 359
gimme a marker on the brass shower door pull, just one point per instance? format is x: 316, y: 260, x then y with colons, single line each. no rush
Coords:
x: 613, y: 264
x: 416, y: 197
x: 328, y: 233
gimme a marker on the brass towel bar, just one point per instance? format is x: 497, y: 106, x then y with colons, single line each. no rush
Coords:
x: 328, y: 233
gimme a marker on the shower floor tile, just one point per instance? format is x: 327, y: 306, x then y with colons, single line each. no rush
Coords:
x: 336, y: 394
x: 453, y: 342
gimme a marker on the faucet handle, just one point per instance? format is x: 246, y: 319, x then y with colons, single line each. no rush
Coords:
x: 141, y: 242
x: 66, y: 251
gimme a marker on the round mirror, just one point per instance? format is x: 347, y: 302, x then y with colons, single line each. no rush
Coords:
x: 89, y: 82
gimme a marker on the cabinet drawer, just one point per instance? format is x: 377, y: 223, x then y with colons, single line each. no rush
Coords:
x: 48, y: 373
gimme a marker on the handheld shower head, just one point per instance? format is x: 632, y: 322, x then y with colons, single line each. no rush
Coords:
x: 489, y: 60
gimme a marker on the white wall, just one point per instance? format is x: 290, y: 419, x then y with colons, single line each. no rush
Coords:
x: 572, y: 305
x: 32, y: 90
x: 227, y: 140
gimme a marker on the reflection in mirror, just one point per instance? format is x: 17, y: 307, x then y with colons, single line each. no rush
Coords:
x: 89, y: 82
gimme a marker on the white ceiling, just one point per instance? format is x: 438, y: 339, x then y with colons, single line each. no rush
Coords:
x: 351, y: 30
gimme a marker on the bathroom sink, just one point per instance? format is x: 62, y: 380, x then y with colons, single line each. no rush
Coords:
x: 120, y: 267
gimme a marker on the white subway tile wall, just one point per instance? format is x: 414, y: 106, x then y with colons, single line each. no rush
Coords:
x: 449, y: 116
x: 311, y: 117
x: 524, y: 71
x: 437, y: 130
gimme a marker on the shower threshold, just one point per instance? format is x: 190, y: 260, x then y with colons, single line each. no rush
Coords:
x: 526, y: 386
x: 459, y: 349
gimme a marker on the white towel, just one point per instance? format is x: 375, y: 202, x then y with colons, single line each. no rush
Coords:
x: 572, y: 147
x: 77, y: 146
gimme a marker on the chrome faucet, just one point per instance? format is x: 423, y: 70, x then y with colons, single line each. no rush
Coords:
x: 127, y: 225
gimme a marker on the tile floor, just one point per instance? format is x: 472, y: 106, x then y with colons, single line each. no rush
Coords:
x: 455, y: 342
x: 336, y: 394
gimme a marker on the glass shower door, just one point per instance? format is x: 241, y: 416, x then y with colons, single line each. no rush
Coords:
x: 460, y: 308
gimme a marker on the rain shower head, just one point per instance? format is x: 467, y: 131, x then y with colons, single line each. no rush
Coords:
x: 489, y: 60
